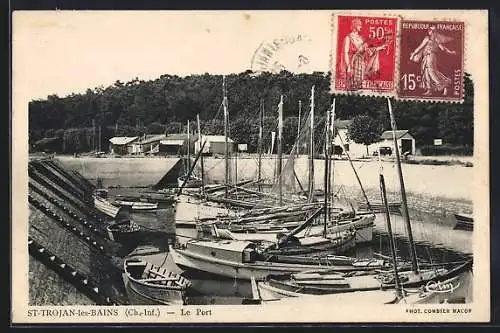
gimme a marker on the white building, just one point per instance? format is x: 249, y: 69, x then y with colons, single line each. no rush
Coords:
x: 147, y: 144
x: 122, y: 145
x: 406, y: 142
x: 215, y: 144
x: 342, y: 140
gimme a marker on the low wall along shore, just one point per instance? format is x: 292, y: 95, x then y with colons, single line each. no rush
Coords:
x: 437, y: 189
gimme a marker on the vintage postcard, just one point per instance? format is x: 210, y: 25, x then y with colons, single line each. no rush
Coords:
x: 250, y: 166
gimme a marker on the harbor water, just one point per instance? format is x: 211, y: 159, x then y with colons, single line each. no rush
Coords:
x: 435, y: 239
x: 432, y: 202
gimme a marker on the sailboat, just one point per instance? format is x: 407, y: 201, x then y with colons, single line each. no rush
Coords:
x: 413, y: 285
x: 188, y: 180
x: 336, y: 238
x: 217, y: 200
x: 229, y: 256
x: 262, y: 224
x: 222, y: 255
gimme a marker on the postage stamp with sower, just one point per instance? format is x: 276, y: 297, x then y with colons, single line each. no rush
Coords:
x: 365, y: 55
x: 431, y: 64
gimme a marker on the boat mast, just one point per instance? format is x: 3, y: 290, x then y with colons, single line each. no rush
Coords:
x: 327, y: 157
x: 93, y: 134
x: 226, y: 150
x: 99, y: 138
x: 201, y: 156
x: 298, y: 128
x: 235, y: 180
x: 311, y: 150
x: 261, y: 121
x: 387, y: 216
x: 188, y: 148
x: 406, y: 216
x: 331, y: 165
x: 280, y: 152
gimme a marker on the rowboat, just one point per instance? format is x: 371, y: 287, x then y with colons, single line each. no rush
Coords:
x: 432, y: 292
x: 123, y: 232
x: 137, y: 205
x: 324, y: 282
x: 105, y: 207
x: 156, y: 283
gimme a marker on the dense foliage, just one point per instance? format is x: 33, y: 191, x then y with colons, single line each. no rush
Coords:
x: 165, y: 104
x: 365, y: 130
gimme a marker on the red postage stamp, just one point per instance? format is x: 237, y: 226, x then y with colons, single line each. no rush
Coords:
x: 431, y: 62
x: 364, y: 61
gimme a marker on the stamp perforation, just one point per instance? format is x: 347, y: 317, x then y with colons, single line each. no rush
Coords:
x: 396, y: 91
x: 334, y: 25
x: 432, y: 99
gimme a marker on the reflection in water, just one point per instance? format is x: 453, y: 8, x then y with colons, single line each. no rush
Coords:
x: 435, y: 241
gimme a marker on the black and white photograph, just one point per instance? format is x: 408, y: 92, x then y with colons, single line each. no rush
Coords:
x: 250, y: 166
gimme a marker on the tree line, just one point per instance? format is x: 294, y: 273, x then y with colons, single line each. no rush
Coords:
x: 164, y: 105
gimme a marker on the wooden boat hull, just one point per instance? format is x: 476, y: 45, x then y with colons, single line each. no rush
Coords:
x: 363, y: 225
x: 160, y: 294
x: 123, y: 237
x: 328, y: 260
x: 266, y: 293
x: 191, y: 183
x: 125, y: 232
x: 340, y: 245
x: 188, y: 209
x: 138, y: 205
x: 325, y: 284
x: 191, y: 261
x: 105, y: 207
x: 211, y: 260
x: 270, y: 295
x: 148, y: 197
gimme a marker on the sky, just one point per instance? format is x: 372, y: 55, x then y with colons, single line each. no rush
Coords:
x: 64, y: 52
x: 69, y: 51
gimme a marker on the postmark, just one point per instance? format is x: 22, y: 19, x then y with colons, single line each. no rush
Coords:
x: 364, y: 55
x: 431, y: 62
x: 288, y: 52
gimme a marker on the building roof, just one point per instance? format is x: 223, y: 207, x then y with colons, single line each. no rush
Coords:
x: 342, y: 123
x: 173, y: 142
x: 179, y: 136
x: 122, y: 140
x: 216, y: 138
x: 399, y: 134
x: 152, y: 138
